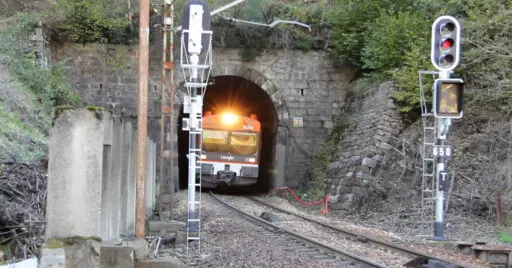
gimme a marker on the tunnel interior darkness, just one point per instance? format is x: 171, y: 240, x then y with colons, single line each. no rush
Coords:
x: 237, y: 94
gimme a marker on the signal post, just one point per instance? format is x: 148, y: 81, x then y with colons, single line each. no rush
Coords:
x: 447, y: 103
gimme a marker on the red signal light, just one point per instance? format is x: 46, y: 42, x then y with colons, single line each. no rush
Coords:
x: 447, y: 43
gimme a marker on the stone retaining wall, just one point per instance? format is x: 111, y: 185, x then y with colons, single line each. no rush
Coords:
x: 371, y: 119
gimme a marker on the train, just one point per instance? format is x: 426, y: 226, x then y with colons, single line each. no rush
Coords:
x: 231, y: 148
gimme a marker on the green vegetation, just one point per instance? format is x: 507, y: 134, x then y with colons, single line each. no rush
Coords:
x: 96, y: 21
x: 505, y: 237
x: 26, y: 104
x: 318, y: 167
x: 392, y: 38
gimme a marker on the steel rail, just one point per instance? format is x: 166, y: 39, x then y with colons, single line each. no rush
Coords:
x: 370, y: 240
x: 346, y: 254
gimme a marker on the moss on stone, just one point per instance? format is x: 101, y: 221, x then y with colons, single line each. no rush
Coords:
x: 59, y: 109
x: 98, y: 110
x: 94, y: 108
x: 55, y: 243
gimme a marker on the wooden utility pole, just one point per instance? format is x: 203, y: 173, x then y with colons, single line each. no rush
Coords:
x: 142, y: 119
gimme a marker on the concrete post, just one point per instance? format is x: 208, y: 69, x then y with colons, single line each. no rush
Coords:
x: 131, y: 185
x: 114, y: 184
x: 75, y: 174
x: 154, y: 179
x: 150, y: 179
x: 107, y: 166
x: 126, y: 173
x: 279, y: 178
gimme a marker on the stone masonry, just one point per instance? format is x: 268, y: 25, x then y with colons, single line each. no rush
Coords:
x: 371, y: 120
x: 302, y: 85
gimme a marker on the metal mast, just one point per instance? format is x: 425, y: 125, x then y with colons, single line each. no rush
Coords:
x: 196, y: 47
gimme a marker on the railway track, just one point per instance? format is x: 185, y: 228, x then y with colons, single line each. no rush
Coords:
x: 373, y: 241
x: 305, y: 245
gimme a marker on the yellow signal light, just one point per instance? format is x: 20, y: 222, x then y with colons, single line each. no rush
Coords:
x: 448, y: 94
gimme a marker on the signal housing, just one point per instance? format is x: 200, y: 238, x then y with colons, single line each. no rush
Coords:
x: 448, y: 95
x: 445, y: 43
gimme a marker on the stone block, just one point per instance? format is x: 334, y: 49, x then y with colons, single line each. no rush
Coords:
x: 344, y: 189
x: 141, y: 248
x: 166, y: 262
x: 348, y: 198
x: 337, y: 206
x: 364, y: 169
x: 369, y: 162
x: 117, y: 257
x: 358, y: 190
x: 351, y: 181
x: 54, y: 258
x: 335, y: 165
x: 77, y: 253
x: 333, y: 198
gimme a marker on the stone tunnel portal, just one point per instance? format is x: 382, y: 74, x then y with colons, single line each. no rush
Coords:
x: 234, y: 93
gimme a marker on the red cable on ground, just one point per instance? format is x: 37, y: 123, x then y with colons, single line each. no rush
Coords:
x: 307, y: 204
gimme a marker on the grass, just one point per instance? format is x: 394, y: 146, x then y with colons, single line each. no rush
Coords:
x: 505, y: 237
x: 20, y: 140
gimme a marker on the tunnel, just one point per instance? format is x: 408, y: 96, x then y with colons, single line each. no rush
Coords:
x: 234, y: 93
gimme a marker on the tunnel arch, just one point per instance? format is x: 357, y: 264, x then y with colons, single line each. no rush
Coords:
x: 257, y: 78
x: 250, y: 78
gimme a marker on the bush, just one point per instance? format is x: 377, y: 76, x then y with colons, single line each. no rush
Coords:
x: 96, y: 21
x: 390, y: 38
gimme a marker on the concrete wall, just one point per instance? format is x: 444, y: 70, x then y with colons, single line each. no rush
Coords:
x: 303, y: 85
x: 91, y: 183
x: 370, y: 120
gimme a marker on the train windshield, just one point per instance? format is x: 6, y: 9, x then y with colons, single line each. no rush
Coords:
x: 215, y: 140
x: 244, y: 143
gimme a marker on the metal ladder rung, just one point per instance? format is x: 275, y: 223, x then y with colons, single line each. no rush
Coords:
x: 194, y: 202
x: 193, y: 238
x: 200, y: 66
x: 193, y: 220
x: 196, y: 84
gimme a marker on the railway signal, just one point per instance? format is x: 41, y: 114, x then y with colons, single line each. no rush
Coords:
x: 447, y: 103
x: 445, y: 43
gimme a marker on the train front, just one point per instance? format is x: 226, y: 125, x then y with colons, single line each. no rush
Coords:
x: 230, y: 150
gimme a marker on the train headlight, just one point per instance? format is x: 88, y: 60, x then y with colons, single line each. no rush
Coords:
x: 203, y: 156
x: 229, y: 118
x: 252, y: 159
